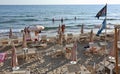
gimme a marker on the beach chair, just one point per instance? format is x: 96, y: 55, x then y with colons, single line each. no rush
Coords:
x: 43, y: 38
x: 5, y: 42
x: 83, y: 37
x: 69, y: 38
x: 15, y: 41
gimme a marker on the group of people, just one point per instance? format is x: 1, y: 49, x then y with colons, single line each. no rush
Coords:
x: 53, y: 19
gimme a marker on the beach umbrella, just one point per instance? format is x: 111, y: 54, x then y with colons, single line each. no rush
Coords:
x: 118, y: 34
x: 10, y: 33
x: 14, y: 58
x: 82, y: 27
x: 60, y: 37
x: 74, y: 53
x: 24, y: 40
x: 36, y: 28
x: 91, y: 36
x: 59, y: 29
x: 112, y: 52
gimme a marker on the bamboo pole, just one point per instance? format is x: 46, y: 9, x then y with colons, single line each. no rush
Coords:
x: 116, y: 51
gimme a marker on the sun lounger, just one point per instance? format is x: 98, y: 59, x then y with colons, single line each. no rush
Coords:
x: 69, y: 38
x: 21, y: 72
x: 83, y: 37
x: 5, y: 42
x: 43, y: 38
x: 16, y: 42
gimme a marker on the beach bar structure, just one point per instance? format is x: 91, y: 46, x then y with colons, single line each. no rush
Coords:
x: 116, y: 48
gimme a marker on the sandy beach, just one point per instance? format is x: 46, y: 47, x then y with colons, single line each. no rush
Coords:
x: 52, y: 59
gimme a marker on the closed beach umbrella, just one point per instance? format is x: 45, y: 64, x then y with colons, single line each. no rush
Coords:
x: 91, y: 36
x: 24, y: 40
x: 10, y: 33
x: 59, y: 29
x: 74, y: 54
x: 82, y: 27
x: 118, y: 35
x: 36, y: 28
x: 112, y: 53
x: 14, y: 58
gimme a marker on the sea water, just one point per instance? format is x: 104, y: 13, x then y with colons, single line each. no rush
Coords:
x: 20, y: 16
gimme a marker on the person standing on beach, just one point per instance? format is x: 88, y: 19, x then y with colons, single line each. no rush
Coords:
x: 63, y: 28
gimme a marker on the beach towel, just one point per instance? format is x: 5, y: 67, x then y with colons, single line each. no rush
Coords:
x: 2, y: 57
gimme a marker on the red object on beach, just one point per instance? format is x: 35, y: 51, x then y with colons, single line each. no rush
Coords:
x: 2, y: 57
x: 36, y: 28
x: 10, y: 33
x: 63, y: 28
x: 14, y: 57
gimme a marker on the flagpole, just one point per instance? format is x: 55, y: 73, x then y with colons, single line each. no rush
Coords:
x: 116, y: 50
x: 105, y: 38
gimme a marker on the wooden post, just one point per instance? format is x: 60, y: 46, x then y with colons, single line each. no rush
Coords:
x: 116, y: 50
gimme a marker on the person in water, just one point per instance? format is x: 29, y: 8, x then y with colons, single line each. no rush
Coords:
x: 62, y: 20
x: 53, y: 19
x: 75, y: 18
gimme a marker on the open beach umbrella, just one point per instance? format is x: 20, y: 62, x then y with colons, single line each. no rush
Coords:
x: 24, y: 40
x: 36, y: 28
x: 82, y: 27
x: 91, y: 36
x: 10, y: 33
x: 14, y: 58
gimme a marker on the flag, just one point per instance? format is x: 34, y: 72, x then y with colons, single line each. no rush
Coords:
x: 102, y: 27
x: 102, y: 12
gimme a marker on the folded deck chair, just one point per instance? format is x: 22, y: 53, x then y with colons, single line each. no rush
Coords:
x: 16, y: 42
x: 5, y: 42
x: 69, y: 37
x: 44, y: 38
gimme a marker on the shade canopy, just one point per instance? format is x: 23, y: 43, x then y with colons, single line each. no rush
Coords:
x: 36, y: 28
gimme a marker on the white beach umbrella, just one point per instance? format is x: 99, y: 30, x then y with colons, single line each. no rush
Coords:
x: 36, y: 28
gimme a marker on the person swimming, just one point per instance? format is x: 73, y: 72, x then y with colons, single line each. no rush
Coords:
x: 62, y: 20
